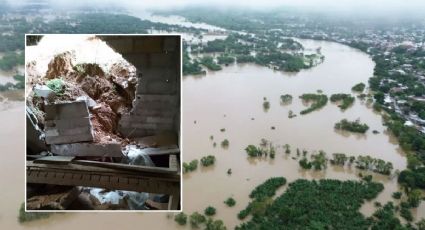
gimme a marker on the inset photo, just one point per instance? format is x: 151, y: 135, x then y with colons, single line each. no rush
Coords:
x: 103, y: 122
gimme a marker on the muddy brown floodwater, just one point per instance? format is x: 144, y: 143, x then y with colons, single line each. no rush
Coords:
x: 229, y: 99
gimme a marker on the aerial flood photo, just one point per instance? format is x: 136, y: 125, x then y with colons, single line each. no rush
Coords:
x: 213, y: 114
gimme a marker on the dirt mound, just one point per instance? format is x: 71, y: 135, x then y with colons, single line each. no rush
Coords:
x: 61, y: 65
x: 95, y: 86
x: 106, y: 117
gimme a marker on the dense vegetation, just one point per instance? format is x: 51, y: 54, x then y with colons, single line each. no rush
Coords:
x: 20, y: 84
x: 225, y: 143
x: 318, y: 161
x: 346, y: 100
x: 230, y: 202
x: 318, y: 101
x: 210, y: 211
x: 208, y: 160
x: 323, y: 204
x: 266, y: 149
x: 253, y: 151
x: 181, y: 218
x: 385, y: 218
x: 413, y: 178
x: 191, y: 166
x: 352, y: 126
x: 210, y: 63
x: 30, y: 216
x: 271, y: 51
x: 359, y: 87
x: 56, y: 85
x: 374, y: 164
x: 268, y: 188
x: 190, y: 66
x: 11, y: 59
x: 261, y: 196
x: 286, y: 98
x: 225, y: 59
x: 196, y: 219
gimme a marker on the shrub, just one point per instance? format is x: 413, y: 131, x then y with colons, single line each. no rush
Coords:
x: 196, y: 219
x: 225, y: 143
x: 208, y: 160
x: 358, y: 87
x: 191, y: 166
x: 56, y: 85
x: 210, y: 211
x: 181, y: 218
x: 352, y: 126
x: 397, y: 195
x: 30, y: 216
x: 230, y: 202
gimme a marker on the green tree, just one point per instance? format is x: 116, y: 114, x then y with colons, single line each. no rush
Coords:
x: 210, y: 211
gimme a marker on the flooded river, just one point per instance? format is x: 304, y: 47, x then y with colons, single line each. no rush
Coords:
x: 230, y: 99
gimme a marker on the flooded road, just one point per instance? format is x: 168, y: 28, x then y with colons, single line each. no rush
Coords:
x: 230, y: 99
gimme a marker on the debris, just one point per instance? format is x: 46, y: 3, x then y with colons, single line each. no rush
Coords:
x: 119, y: 199
x: 124, y: 76
x: 159, y: 140
x: 90, y: 102
x: 106, y: 118
x: 43, y: 91
x: 57, y: 198
x: 88, y: 69
x: 85, y: 201
x: 137, y: 156
x: 88, y: 149
x: 164, y: 150
x: 54, y: 160
x: 33, y: 76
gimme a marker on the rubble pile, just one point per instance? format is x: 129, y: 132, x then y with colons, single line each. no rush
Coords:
x: 108, y: 94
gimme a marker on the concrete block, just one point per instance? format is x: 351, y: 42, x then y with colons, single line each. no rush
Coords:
x: 68, y: 110
x: 89, y: 101
x: 68, y: 123
x: 43, y: 91
x: 88, y: 149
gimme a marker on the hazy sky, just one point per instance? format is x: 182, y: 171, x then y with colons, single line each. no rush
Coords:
x: 401, y: 6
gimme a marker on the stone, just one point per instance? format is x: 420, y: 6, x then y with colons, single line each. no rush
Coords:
x: 89, y: 101
x: 43, y: 91
x: 88, y: 150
